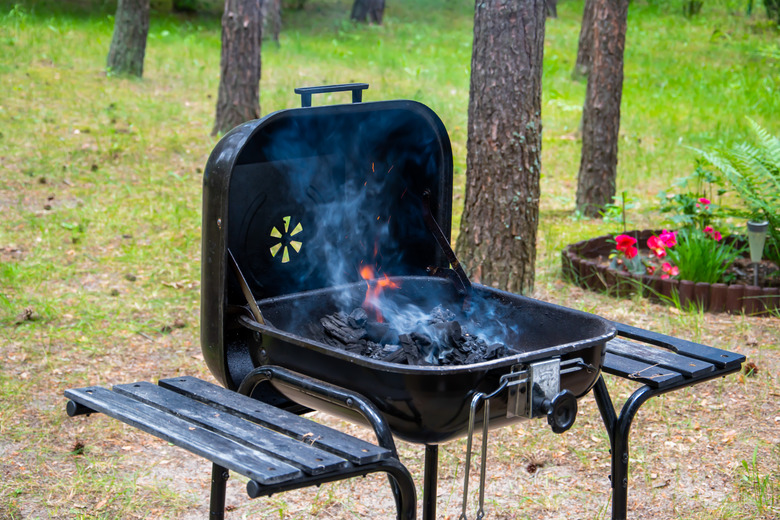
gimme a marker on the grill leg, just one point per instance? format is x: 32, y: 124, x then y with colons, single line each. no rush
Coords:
x: 430, y: 481
x: 219, y: 478
x: 618, y: 429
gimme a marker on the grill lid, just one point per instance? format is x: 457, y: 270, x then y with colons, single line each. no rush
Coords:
x: 305, y: 197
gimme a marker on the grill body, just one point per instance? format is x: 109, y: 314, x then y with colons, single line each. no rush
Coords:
x: 430, y: 404
x: 303, y: 199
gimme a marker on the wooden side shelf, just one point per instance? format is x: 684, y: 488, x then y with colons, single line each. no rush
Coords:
x: 275, y: 449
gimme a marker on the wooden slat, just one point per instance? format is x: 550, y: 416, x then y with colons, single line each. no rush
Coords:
x: 185, y: 434
x: 651, y: 375
x: 311, y: 460
x: 355, y: 450
x: 719, y: 358
x: 687, y: 366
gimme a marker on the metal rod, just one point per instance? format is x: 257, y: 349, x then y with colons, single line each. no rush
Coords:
x: 348, y: 400
x: 250, y: 299
x: 219, y: 478
x: 430, y: 481
x: 467, y: 466
x: 483, y: 462
x: 438, y: 234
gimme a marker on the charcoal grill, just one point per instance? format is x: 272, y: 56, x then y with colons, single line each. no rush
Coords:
x: 302, y: 199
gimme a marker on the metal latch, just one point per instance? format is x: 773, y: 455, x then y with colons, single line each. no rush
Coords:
x: 534, y: 390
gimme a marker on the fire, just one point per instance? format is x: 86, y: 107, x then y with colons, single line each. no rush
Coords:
x: 374, y: 289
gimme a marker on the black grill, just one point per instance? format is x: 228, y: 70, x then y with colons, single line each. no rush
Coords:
x: 303, y: 199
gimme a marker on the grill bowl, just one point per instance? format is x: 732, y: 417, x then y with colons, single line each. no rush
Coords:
x: 427, y: 404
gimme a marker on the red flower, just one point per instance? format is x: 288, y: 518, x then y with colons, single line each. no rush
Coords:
x: 710, y: 232
x: 669, y: 238
x: 704, y: 201
x: 669, y: 270
x: 625, y: 244
x: 657, y: 246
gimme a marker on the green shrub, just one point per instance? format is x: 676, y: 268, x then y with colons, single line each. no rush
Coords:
x: 753, y: 173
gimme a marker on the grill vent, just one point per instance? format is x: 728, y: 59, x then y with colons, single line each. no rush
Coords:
x: 286, y: 245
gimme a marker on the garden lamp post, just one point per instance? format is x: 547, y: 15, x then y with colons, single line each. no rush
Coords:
x: 756, y: 239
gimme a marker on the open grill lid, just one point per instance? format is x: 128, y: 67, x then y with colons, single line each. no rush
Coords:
x: 304, y: 197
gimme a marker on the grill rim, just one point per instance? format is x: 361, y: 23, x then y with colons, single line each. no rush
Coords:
x: 609, y: 332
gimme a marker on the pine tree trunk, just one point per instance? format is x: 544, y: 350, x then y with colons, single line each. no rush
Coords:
x: 585, y: 45
x: 239, y: 84
x: 368, y: 10
x: 185, y: 6
x: 497, y: 241
x: 551, y: 8
x: 773, y: 10
x: 128, y: 44
x: 601, y: 113
x: 272, y: 17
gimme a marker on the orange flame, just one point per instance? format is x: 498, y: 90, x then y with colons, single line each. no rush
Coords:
x: 373, y: 293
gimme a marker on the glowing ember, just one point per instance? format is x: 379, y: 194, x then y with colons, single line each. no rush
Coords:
x: 374, y: 289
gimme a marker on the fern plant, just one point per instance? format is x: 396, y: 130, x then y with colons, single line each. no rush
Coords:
x: 753, y: 172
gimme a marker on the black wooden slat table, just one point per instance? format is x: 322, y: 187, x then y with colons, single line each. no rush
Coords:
x: 277, y: 450
x: 661, y: 364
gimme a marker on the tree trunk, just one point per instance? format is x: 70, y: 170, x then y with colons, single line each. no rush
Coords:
x: 497, y: 241
x: 239, y: 84
x: 368, y: 10
x: 601, y: 114
x: 272, y: 16
x: 128, y: 45
x: 185, y: 6
x: 551, y: 8
x: 585, y: 45
x: 773, y: 10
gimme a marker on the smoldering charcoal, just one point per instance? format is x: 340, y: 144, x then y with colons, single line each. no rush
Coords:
x: 440, y: 340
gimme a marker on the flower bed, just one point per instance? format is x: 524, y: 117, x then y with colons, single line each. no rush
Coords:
x: 587, y: 264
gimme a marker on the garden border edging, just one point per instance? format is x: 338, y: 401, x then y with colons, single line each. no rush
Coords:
x: 580, y: 266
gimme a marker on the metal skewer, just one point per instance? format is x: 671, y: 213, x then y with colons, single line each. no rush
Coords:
x: 250, y: 299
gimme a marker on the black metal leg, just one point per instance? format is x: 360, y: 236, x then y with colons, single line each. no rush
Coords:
x: 618, y: 429
x: 430, y: 481
x: 403, y: 490
x: 219, y: 478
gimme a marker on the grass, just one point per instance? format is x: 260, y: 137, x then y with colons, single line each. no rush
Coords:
x: 100, y: 248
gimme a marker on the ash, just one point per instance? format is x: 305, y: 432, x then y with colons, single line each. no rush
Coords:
x: 439, y: 340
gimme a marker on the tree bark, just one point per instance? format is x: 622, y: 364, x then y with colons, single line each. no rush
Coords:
x: 272, y: 16
x: 551, y: 8
x: 585, y: 45
x: 773, y: 10
x: 128, y: 44
x: 601, y: 113
x: 497, y: 241
x: 239, y: 85
x: 368, y: 10
x: 185, y: 6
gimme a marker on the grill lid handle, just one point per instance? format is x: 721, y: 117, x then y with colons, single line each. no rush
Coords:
x: 356, y: 89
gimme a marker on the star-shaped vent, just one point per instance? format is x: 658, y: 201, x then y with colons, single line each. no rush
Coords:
x: 286, y: 244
